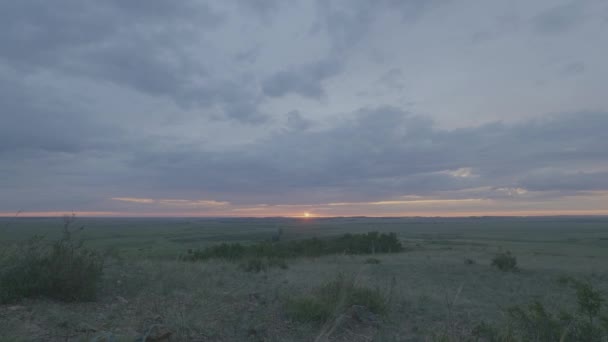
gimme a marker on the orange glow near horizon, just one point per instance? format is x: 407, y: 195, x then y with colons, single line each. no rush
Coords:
x: 591, y: 203
x: 307, y: 214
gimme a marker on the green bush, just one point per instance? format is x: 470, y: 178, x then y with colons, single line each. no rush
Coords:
x: 233, y: 251
x: 278, y: 263
x: 332, y: 298
x: 533, y: 322
x: 257, y: 265
x: 62, y: 269
x: 369, y: 243
x: 372, y: 261
x: 308, y: 309
x: 505, y: 262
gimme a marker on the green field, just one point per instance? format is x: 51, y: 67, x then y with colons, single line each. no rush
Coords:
x: 429, y: 288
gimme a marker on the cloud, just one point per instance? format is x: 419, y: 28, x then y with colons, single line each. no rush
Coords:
x: 263, y: 8
x: 304, y: 80
x: 256, y: 102
x: 383, y: 153
x: 40, y: 35
x: 144, y: 47
x: 463, y: 172
x: 429, y: 202
x: 559, y: 180
x: 501, y: 26
x: 348, y: 22
x: 375, y: 154
x: 171, y: 202
x: 560, y: 18
x: 134, y: 200
x: 33, y: 120
x: 392, y: 79
x: 413, y: 9
x: 295, y: 121
x: 573, y: 68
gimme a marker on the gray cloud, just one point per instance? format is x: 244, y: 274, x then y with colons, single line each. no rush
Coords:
x: 34, y: 34
x: 139, y: 45
x: 254, y: 102
x: 558, y: 180
x: 33, y: 120
x: 348, y: 22
x: 263, y: 8
x: 295, y: 121
x: 305, y: 80
x: 386, y: 152
x: 504, y: 24
x: 392, y: 79
x: 413, y: 9
x: 573, y: 68
x: 559, y: 18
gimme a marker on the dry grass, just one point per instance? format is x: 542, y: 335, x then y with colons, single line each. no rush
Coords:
x: 431, y: 293
x: 219, y: 302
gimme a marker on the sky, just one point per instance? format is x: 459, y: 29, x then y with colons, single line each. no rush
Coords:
x: 324, y: 107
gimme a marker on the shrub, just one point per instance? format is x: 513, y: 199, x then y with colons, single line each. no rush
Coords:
x: 505, y: 261
x: 277, y: 236
x: 533, y: 322
x: 489, y: 332
x: 277, y: 262
x: 233, y: 251
x: 468, y: 261
x: 62, y: 269
x: 372, y: 261
x: 308, y: 309
x: 332, y: 298
x: 369, y: 243
x: 257, y: 265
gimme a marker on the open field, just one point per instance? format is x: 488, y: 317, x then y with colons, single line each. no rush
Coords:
x: 429, y: 289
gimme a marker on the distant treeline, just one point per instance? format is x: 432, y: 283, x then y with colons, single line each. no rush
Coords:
x: 369, y: 243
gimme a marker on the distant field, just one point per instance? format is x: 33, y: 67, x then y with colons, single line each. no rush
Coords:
x: 166, y: 238
x: 145, y: 283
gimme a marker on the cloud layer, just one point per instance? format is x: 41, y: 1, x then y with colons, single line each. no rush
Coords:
x: 333, y: 107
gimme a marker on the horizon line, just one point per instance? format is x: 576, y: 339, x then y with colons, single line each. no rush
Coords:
x: 59, y: 214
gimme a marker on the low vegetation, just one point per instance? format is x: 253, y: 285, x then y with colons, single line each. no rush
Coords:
x: 61, y: 269
x: 331, y: 299
x: 469, y: 261
x: 588, y: 322
x: 369, y: 243
x: 372, y: 261
x: 257, y: 265
x: 505, y: 262
x: 446, y: 289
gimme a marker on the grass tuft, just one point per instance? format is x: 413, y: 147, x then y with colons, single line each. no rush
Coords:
x: 372, y: 261
x: 257, y: 265
x: 534, y: 322
x: 333, y: 298
x: 505, y: 262
x: 62, y: 269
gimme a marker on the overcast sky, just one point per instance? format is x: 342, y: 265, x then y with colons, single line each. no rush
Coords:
x: 278, y: 107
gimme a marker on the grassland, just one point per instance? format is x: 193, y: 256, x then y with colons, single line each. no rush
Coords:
x: 429, y: 289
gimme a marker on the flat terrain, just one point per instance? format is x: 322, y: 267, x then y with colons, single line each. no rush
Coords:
x: 429, y: 287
